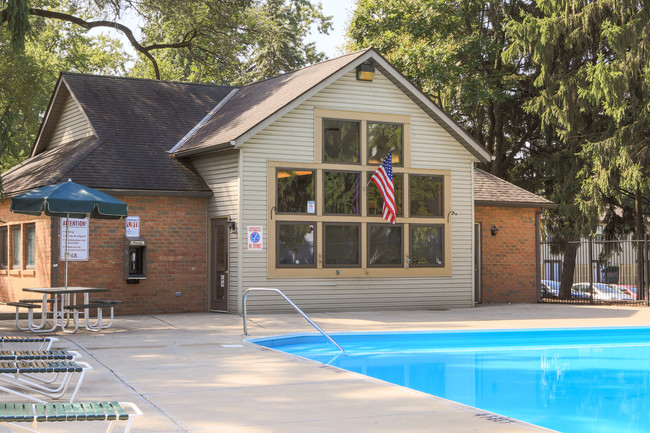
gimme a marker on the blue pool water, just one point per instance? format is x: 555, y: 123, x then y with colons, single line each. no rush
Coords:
x: 569, y: 380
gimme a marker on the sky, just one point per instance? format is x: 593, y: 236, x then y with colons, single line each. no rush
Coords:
x: 341, y: 10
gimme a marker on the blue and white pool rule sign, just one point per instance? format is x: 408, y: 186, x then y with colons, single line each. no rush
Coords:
x: 255, y: 238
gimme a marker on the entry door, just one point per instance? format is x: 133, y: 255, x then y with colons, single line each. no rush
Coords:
x: 219, y: 265
x: 478, y: 295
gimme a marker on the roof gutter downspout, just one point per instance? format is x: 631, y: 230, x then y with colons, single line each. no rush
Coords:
x: 538, y: 276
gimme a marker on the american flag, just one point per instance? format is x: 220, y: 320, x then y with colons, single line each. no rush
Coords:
x: 383, y: 178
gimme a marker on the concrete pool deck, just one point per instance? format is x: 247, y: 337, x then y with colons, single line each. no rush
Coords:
x: 195, y: 373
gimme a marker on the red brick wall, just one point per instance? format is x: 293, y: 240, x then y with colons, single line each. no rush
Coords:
x: 508, y: 259
x: 175, y: 229
x: 12, y: 281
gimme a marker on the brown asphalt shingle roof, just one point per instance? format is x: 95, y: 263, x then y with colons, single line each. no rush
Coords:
x: 137, y: 122
x: 492, y: 190
x: 254, y: 103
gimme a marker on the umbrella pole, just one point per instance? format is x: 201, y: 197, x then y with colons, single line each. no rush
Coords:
x: 67, y: 224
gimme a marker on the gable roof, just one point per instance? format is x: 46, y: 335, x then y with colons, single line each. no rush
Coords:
x: 490, y: 190
x: 133, y: 124
x: 255, y: 106
x: 135, y: 121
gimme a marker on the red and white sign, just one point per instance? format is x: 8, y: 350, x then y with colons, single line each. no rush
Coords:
x: 76, y: 232
x: 255, y: 238
x: 133, y: 227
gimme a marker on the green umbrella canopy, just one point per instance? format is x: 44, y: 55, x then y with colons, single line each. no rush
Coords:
x: 68, y: 199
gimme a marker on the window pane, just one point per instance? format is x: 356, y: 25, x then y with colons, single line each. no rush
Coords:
x: 16, y: 261
x: 427, y: 244
x: 382, y: 137
x: 384, y: 245
x: 295, y: 189
x: 342, y: 192
x: 341, y: 141
x: 426, y: 195
x: 30, y: 245
x: 341, y: 245
x: 4, y: 245
x: 375, y: 200
x: 295, y: 244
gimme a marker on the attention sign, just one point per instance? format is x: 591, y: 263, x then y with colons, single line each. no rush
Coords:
x: 76, y: 231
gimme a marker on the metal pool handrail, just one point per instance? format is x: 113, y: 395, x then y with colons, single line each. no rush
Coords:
x: 264, y: 289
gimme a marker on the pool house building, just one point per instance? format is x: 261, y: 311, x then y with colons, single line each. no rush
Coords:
x: 267, y: 185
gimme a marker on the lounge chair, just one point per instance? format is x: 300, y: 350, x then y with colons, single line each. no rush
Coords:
x: 50, y: 379
x: 16, y: 415
x: 25, y: 343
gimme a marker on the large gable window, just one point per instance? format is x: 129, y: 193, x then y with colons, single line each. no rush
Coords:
x: 295, y: 245
x: 325, y: 217
x: 342, y: 192
x: 426, y: 195
x: 375, y: 200
x: 295, y: 189
x: 342, y: 245
x: 382, y: 137
x: 341, y: 141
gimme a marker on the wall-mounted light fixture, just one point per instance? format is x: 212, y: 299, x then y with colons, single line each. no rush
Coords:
x: 232, y: 225
x: 494, y: 230
x: 365, y: 72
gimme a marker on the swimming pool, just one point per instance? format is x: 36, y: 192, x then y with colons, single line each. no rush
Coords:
x: 569, y: 380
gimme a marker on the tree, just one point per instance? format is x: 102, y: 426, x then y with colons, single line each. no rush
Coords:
x: 452, y: 51
x: 214, y: 41
x: 30, y: 72
x: 217, y: 39
x: 594, y: 99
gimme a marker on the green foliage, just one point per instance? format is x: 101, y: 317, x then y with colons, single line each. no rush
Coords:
x: 229, y: 42
x: 17, y: 22
x: 594, y: 97
x: 28, y: 76
x: 212, y: 41
x: 452, y: 51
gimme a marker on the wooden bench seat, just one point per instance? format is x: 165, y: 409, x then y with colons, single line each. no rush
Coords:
x: 38, y: 301
x: 86, y: 306
x: 20, y: 304
x: 30, y: 305
x: 13, y: 413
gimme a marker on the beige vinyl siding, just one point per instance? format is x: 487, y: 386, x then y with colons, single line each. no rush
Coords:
x: 291, y: 139
x: 71, y: 125
x: 221, y: 172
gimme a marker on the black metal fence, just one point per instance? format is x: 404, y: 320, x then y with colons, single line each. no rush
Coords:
x: 594, y: 271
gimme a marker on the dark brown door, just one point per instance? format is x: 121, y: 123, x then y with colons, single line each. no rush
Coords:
x: 219, y: 265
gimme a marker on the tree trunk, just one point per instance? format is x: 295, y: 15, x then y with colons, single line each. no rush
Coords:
x: 640, y: 256
x: 568, y: 269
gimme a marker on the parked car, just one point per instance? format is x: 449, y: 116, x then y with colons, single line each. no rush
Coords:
x: 550, y: 289
x: 627, y: 289
x: 599, y: 291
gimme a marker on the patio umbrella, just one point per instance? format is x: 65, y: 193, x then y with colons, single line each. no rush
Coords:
x: 68, y: 200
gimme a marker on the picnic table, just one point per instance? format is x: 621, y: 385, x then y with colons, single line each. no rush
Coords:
x: 64, y: 307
